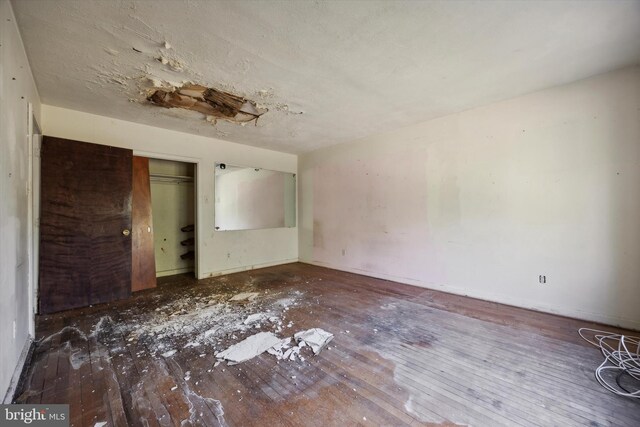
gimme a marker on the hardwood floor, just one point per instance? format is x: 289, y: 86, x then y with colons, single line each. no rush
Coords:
x: 401, y: 356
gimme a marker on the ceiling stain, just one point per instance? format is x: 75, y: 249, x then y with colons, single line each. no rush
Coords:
x: 213, y: 103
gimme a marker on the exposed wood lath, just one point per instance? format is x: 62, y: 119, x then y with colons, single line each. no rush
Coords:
x: 213, y: 103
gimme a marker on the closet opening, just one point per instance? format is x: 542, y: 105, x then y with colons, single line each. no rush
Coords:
x: 173, y: 211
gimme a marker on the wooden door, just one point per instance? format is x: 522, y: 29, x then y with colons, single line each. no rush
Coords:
x: 143, y: 267
x: 85, y: 223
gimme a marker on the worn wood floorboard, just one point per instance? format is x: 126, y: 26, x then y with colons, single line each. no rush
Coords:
x: 401, y: 356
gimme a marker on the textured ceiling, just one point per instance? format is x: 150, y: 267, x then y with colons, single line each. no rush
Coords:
x: 328, y: 72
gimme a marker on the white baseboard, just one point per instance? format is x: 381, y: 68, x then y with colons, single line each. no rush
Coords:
x: 17, y: 373
x: 502, y: 299
x: 247, y: 267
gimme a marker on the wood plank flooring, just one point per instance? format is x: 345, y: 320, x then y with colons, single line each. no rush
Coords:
x: 401, y: 355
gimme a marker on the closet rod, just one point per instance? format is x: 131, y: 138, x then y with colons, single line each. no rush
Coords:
x: 170, y: 178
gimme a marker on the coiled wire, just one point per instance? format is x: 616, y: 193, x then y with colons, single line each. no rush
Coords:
x: 621, y: 361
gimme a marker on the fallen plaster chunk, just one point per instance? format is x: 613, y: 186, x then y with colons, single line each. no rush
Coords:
x: 315, y: 338
x: 279, y: 349
x: 169, y: 353
x: 100, y: 424
x: 210, y: 332
x: 292, y: 353
x: 254, y: 318
x: 284, y: 351
x: 245, y: 296
x: 249, y: 348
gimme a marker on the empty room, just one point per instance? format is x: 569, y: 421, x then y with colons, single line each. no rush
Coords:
x: 320, y: 213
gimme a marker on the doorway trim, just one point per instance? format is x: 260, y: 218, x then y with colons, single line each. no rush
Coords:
x: 34, y: 140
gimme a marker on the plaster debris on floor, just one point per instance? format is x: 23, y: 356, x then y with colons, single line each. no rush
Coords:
x: 244, y: 296
x: 210, y: 321
x: 187, y: 334
x: 249, y: 347
x: 192, y: 321
x: 282, y: 349
x: 253, y: 318
x: 316, y: 338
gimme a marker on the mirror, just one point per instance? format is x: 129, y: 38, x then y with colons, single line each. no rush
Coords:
x: 253, y: 198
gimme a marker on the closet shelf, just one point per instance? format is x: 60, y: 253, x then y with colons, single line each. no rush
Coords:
x: 188, y: 242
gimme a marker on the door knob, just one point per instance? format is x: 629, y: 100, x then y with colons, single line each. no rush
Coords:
x: 126, y: 232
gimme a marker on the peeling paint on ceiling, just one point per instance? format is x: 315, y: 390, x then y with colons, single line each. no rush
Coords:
x: 353, y: 68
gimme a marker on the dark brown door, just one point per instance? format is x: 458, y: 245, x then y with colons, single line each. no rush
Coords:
x: 143, y: 267
x: 85, y: 224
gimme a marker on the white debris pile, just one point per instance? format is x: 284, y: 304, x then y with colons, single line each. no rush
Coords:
x: 315, y: 338
x: 249, y: 348
x: 245, y: 296
x: 254, y: 318
x: 168, y: 353
x: 198, y: 319
x: 201, y: 322
x: 282, y: 349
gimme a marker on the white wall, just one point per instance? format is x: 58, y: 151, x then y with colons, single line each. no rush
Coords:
x: 217, y: 252
x: 483, y: 202
x: 17, y: 89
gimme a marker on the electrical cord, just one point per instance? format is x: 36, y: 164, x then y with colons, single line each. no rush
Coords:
x: 621, y: 358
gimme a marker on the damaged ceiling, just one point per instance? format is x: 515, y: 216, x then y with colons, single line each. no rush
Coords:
x: 212, y: 103
x: 297, y: 76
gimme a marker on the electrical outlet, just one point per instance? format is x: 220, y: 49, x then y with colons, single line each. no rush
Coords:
x: 344, y: 252
x: 542, y: 279
x: 14, y: 329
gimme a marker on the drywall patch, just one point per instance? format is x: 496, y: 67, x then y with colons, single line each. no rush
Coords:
x: 213, y: 103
